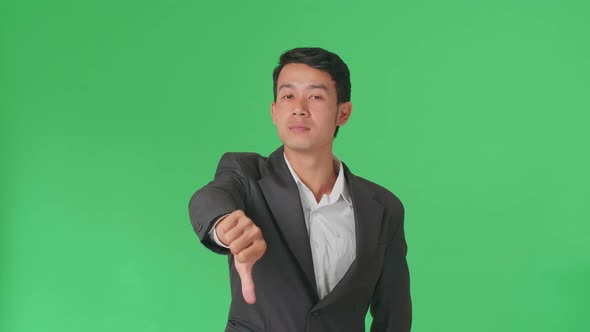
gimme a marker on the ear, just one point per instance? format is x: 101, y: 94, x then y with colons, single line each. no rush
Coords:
x: 344, y: 111
x: 273, y: 113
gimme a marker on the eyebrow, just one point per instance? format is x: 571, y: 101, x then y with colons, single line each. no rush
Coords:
x: 309, y: 87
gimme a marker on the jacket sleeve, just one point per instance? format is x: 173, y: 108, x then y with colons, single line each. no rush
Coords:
x: 221, y: 196
x: 391, y: 305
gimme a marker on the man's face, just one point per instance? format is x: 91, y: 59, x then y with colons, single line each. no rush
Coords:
x: 306, y: 111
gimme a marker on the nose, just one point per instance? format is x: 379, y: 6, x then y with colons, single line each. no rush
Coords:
x: 300, y: 108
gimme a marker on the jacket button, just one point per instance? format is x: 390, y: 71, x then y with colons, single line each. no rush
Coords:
x: 315, y: 313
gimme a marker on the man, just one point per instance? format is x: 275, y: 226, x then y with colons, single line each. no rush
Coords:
x: 311, y: 246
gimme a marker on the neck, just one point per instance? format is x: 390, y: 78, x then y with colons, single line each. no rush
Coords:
x: 315, y: 169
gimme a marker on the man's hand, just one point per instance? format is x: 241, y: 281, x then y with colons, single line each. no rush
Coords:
x: 246, y: 243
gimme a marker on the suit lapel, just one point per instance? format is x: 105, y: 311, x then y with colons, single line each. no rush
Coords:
x: 368, y: 215
x: 282, y: 196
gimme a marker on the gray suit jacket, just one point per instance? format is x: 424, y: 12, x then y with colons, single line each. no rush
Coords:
x: 286, y: 293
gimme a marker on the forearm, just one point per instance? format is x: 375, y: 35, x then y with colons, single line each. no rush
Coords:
x: 206, y: 206
x: 220, y: 197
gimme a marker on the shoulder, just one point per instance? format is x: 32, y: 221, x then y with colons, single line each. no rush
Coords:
x: 242, y: 157
x: 393, y: 209
x: 244, y: 163
x: 384, y: 196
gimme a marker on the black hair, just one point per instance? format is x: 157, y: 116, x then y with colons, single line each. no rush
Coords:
x: 321, y: 59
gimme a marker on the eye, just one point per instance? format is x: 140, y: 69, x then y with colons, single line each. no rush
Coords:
x: 288, y: 97
x: 315, y: 97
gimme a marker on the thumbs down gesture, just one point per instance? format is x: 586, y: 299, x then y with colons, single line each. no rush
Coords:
x: 246, y: 243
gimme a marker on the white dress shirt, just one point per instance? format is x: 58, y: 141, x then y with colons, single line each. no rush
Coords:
x: 331, y: 228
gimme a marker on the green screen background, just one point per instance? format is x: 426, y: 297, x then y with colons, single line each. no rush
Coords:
x: 475, y: 113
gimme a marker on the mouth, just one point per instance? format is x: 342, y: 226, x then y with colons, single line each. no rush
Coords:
x: 298, y: 128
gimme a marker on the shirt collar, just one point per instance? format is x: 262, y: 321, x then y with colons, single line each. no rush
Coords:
x: 340, y: 186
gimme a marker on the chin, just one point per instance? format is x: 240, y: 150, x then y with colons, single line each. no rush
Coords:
x: 297, y: 146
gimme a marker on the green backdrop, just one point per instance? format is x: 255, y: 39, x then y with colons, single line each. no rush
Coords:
x: 475, y: 113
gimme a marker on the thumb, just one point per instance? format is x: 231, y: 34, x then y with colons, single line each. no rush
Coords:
x: 245, y: 272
